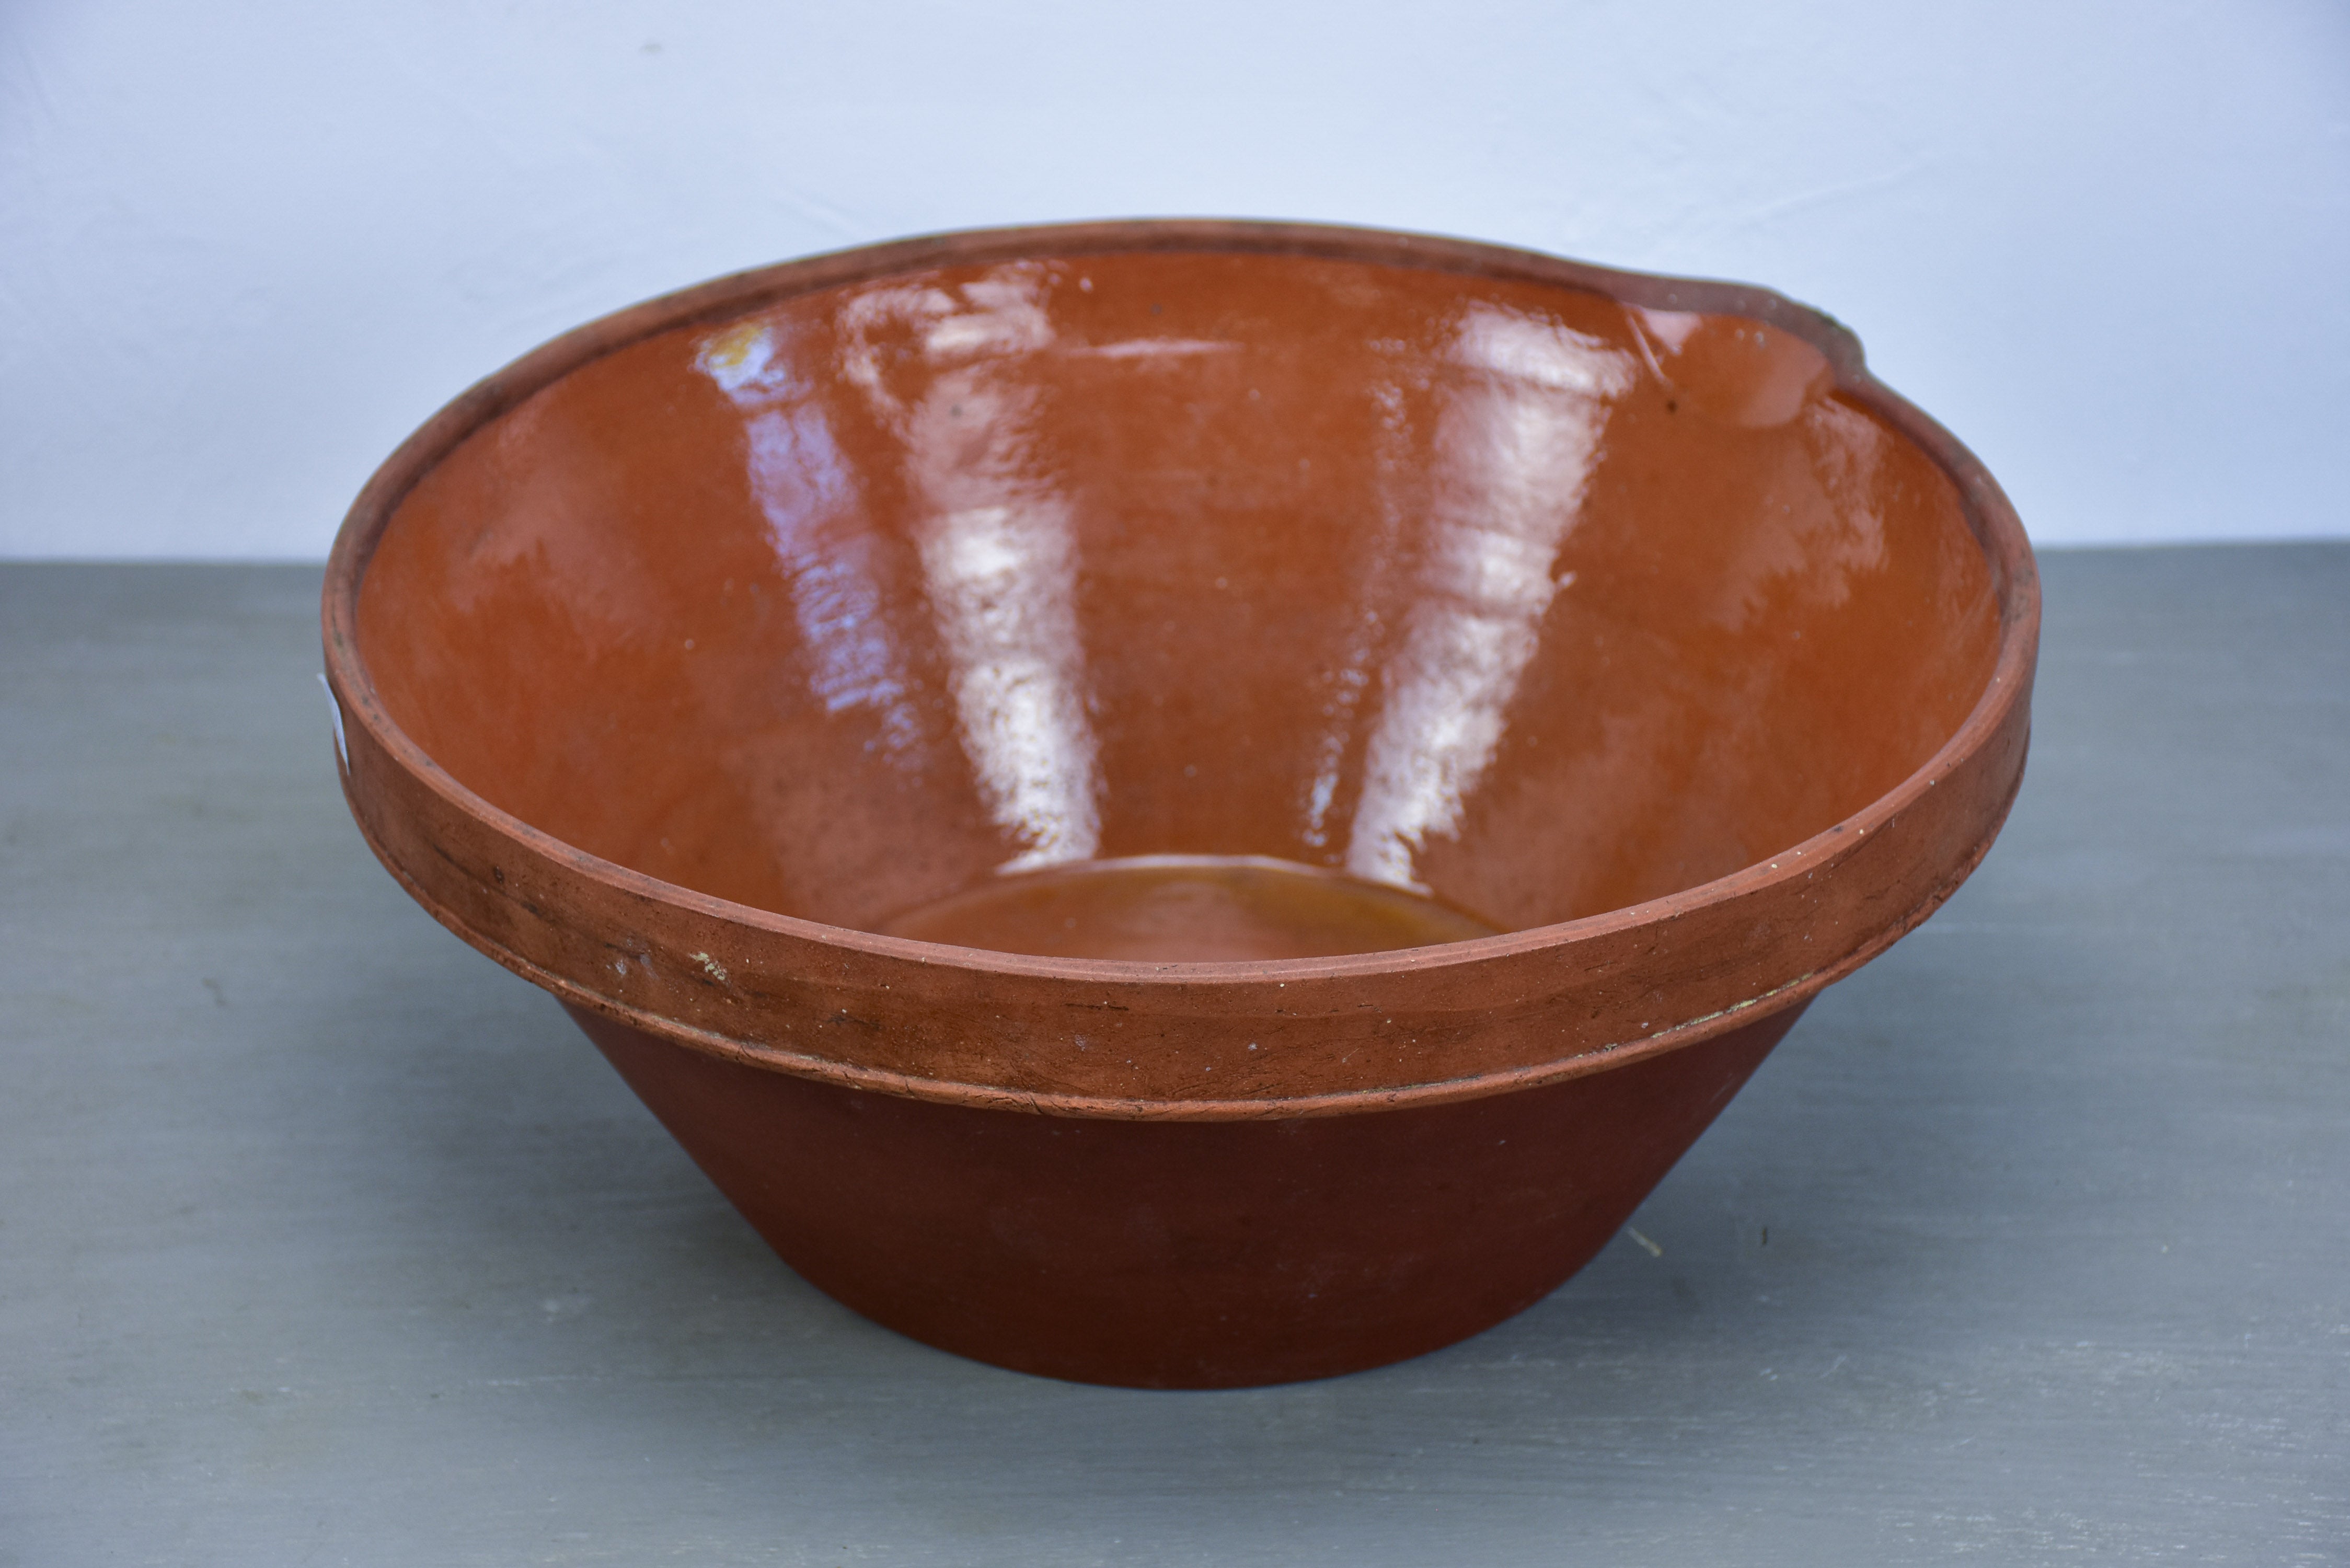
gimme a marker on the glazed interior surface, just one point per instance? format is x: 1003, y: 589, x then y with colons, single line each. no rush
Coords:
x: 1506, y: 594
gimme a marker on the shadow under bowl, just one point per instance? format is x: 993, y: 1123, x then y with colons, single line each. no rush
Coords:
x: 1184, y: 803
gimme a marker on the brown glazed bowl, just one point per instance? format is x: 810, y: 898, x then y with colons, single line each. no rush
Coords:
x: 1184, y: 803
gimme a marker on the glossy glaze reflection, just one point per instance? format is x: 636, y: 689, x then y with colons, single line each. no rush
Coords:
x: 1534, y: 601
x: 1184, y: 803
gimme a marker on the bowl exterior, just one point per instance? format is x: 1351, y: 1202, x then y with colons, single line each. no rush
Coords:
x: 1186, y: 1254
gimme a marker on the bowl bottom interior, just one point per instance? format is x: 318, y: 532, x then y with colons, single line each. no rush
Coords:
x: 1182, y: 908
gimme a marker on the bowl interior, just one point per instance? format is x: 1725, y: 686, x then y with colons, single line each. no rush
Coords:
x: 1502, y: 593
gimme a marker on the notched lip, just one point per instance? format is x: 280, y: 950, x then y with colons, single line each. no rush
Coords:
x: 1992, y: 519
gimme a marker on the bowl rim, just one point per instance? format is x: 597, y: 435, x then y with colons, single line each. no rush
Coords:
x: 1990, y: 516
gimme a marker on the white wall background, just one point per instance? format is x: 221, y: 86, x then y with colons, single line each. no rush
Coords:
x: 244, y: 249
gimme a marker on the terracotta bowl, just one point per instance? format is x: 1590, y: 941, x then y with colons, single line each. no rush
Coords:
x: 1184, y: 803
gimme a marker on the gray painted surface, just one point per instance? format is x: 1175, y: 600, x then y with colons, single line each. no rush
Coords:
x: 323, y: 1240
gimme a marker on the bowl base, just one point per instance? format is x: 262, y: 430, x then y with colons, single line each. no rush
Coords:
x: 1186, y: 1254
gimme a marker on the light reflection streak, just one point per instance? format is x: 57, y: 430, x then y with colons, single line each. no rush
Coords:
x: 1353, y: 678
x: 1671, y: 328
x: 998, y: 552
x: 1155, y: 348
x: 808, y: 497
x: 1002, y: 579
x: 1516, y: 450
